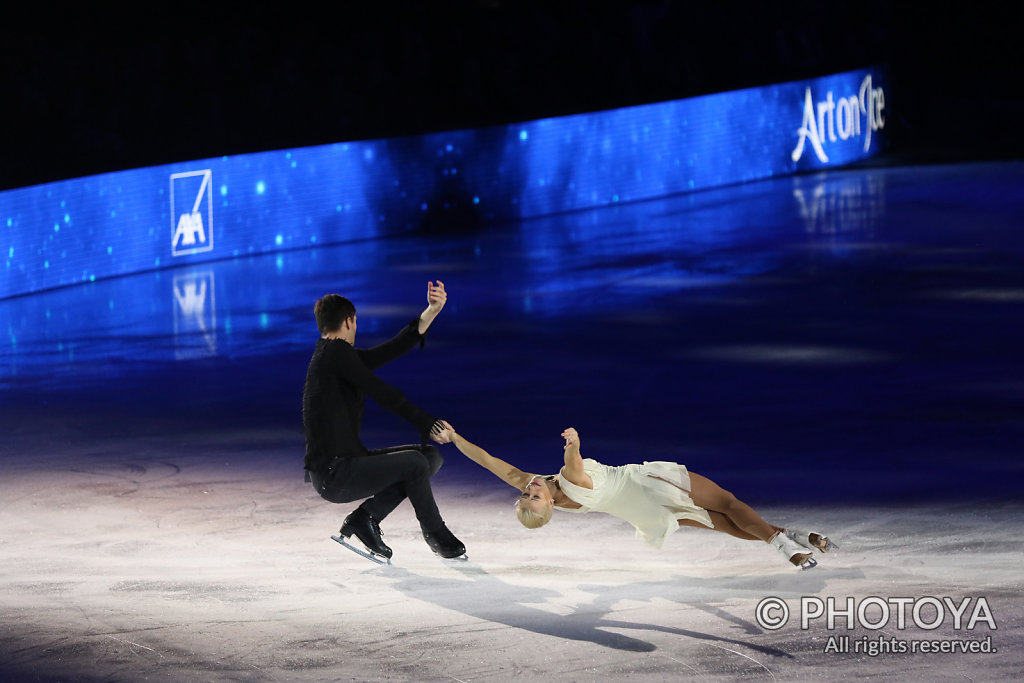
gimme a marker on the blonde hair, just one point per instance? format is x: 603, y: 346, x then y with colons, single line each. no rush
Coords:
x: 532, y: 519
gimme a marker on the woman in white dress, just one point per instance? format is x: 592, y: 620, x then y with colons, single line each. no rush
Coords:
x: 656, y: 497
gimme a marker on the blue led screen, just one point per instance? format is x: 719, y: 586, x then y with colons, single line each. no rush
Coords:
x: 113, y: 224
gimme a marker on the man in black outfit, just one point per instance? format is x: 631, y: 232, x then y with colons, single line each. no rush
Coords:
x: 340, y: 467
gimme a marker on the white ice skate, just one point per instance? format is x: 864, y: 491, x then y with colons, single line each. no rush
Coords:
x: 812, y: 540
x: 793, y: 553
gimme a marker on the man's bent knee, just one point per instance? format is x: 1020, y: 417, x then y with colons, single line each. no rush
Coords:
x: 434, y: 459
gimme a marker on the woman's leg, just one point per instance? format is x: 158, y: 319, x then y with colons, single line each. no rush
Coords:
x: 741, y: 516
x: 715, y: 499
x: 723, y: 524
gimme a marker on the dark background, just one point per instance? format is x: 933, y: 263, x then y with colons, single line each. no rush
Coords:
x: 92, y: 88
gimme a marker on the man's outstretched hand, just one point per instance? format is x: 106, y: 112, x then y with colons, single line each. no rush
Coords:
x: 442, y: 432
x: 436, y: 296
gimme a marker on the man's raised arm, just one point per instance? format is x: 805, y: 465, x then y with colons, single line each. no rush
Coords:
x: 436, y: 298
x: 410, y: 335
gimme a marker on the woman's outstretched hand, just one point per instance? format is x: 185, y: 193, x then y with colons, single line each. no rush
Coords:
x: 574, y: 471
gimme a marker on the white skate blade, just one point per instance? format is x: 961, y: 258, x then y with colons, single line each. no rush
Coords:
x: 827, y: 546
x: 367, y: 553
x: 809, y: 563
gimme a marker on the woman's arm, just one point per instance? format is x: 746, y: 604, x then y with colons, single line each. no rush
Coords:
x: 513, y: 476
x: 573, y: 470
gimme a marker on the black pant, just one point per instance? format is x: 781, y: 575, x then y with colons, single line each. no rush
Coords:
x: 389, y: 476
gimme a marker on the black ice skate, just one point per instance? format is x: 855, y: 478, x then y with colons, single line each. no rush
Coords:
x: 364, y: 527
x: 443, y: 543
x: 812, y: 540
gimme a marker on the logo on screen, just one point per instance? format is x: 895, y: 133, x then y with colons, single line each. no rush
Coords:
x: 195, y: 316
x: 829, y: 121
x: 191, y: 212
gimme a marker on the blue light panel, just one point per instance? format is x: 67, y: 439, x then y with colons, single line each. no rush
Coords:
x: 151, y: 218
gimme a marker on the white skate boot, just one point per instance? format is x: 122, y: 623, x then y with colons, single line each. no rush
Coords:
x: 794, y: 554
x: 811, y: 540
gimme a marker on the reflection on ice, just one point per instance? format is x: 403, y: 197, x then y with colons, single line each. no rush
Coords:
x: 804, y: 355
x: 842, y: 203
x: 1007, y: 295
x: 195, y: 315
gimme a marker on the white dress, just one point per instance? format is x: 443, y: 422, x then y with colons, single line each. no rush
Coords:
x: 653, y: 497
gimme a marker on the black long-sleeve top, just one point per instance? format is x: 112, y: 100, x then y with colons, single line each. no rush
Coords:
x: 337, y: 382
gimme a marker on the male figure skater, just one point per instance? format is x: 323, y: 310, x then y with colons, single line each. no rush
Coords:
x: 340, y: 467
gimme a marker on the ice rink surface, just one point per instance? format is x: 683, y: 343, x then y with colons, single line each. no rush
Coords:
x: 841, y: 351
x: 218, y: 566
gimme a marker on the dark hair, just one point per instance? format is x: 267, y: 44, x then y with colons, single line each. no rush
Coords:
x: 331, y: 311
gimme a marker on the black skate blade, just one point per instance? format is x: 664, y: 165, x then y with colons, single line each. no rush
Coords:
x: 368, y: 554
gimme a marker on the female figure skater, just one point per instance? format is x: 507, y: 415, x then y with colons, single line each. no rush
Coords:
x: 656, y: 497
